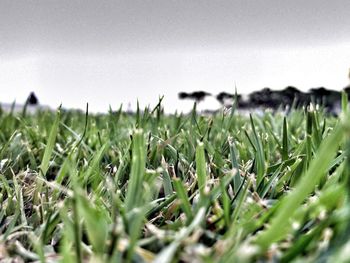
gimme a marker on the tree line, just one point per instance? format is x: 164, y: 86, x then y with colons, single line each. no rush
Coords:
x: 274, y: 99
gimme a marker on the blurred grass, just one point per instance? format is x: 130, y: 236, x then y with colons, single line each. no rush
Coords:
x: 150, y: 187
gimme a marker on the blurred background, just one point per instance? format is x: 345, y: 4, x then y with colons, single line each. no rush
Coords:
x: 113, y: 52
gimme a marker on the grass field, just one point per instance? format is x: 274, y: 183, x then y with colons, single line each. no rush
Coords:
x: 149, y: 187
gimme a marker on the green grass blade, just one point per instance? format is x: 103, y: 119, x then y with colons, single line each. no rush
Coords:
x: 237, y: 179
x: 96, y: 224
x: 285, y: 140
x: 344, y: 102
x: 167, y: 254
x: 182, y: 196
x: 138, y: 166
x: 201, y: 169
x: 260, y: 156
x: 50, y: 144
x: 318, y: 168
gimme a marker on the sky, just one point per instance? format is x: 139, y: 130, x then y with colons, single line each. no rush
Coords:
x: 113, y: 52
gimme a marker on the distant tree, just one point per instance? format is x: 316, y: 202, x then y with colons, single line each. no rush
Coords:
x: 291, y: 95
x: 183, y: 95
x: 227, y: 99
x: 320, y: 92
x: 264, y: 98
x: 222, y: 96
x: 326, y: 97
x: 32, y: 99
x: 197, y: 96
x: 291, y: 92
x: 347, y: 90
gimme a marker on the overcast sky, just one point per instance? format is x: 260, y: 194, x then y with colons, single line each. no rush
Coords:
x: 112, y: 52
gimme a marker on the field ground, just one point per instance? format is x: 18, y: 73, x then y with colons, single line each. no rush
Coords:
x: 151, y: 187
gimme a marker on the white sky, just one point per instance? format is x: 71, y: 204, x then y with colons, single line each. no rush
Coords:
x: 112, y: 52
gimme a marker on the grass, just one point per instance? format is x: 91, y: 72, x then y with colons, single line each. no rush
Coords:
x: 151, y: 187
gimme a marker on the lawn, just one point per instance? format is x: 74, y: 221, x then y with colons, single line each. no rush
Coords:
x: 151, y: 187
